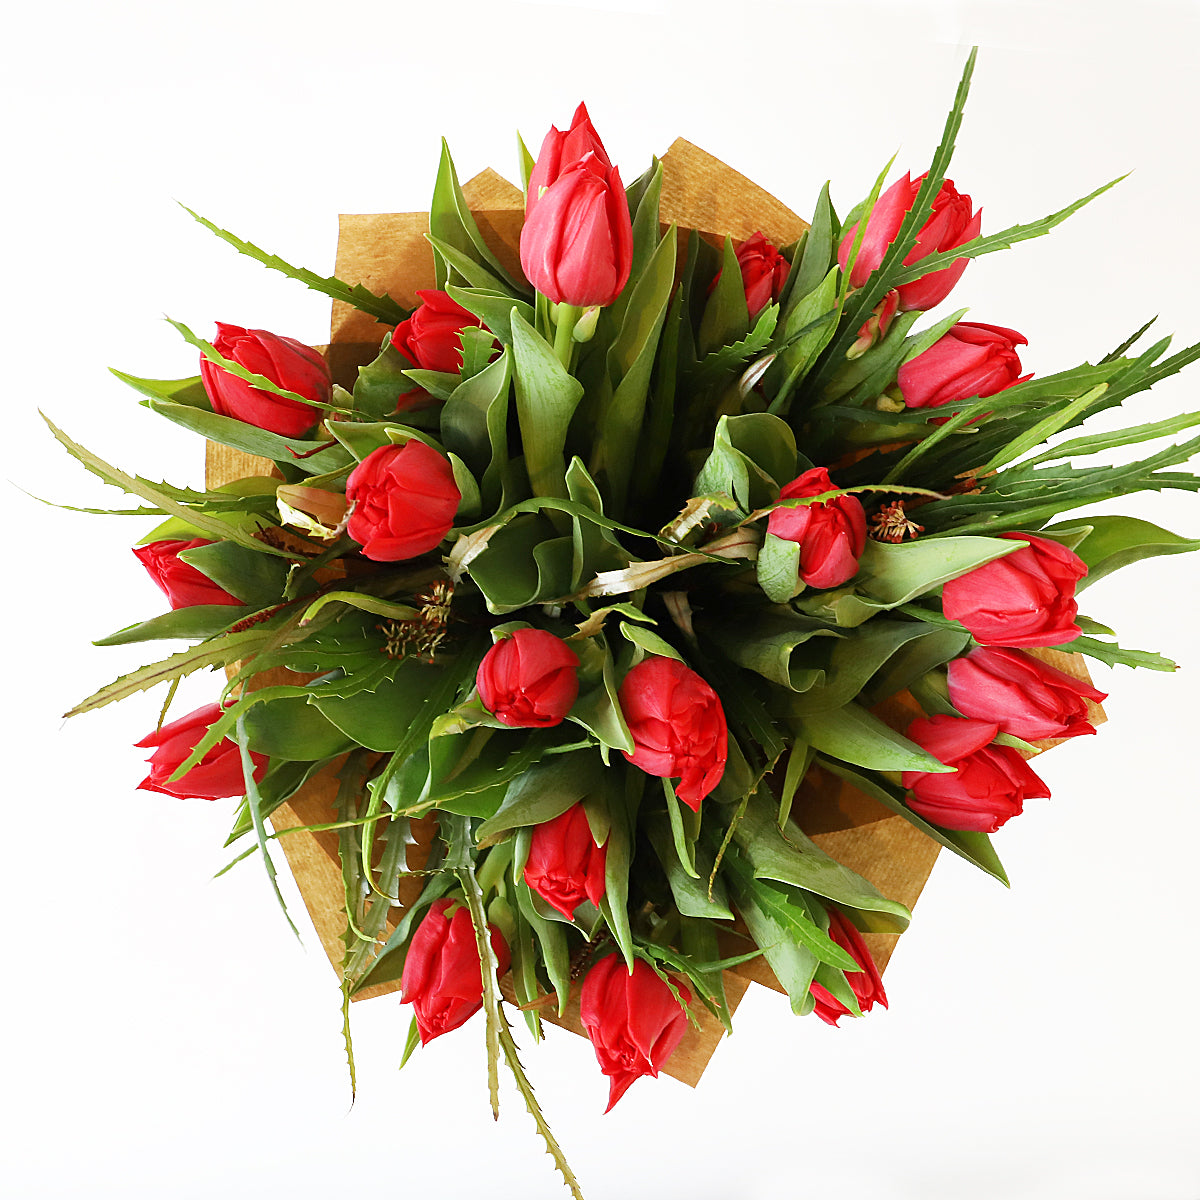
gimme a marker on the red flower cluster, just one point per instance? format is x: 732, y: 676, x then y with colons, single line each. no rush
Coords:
x: 565, y: 866
x: 865, y: 983
x: 216, y: 776
x: 971, y: 361
x: 950, y: 224
x: 1023, y: 696
x: 431, y: 339
x: 990, y: 783
x: 1026, y: 598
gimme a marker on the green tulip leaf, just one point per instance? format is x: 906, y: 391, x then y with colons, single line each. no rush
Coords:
x: 291, y: 728
x: 787, y: 912
x: 793, y: 963
x: 312, y: 457
x: 614, y: 905
x: 690, y: 892
x: 196, y: 621
x: 854, y: 735
x: 455, y: 234
x: 1115, y: 542
x: 912, y: 661
x: 382, y: 382
x: 189, y: 392
x: 254, y: 577
x: 867, y: 650
x: 379, y: 719
x: 726, y: 318
x: 976, y: 848
x: 546, y: 400
x: 777, y: 569
x: 630, y: 362
x: 493, y: 308
x: 544, y: 791
x: 789, y: 856
x: 474, y: 422
x: 788, y: 649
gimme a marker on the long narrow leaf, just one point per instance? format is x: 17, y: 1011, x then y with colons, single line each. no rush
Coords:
x: 383, y: 308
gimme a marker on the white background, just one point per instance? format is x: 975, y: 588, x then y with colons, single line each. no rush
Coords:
x: 164, y: 1035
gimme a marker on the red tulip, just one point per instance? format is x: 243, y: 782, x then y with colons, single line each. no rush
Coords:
x: 1021, y: 694
x: 442, y: 978
x: 989, y: 785
x: 832, y: 535
x: 633, y: 1020
x: 764, y: 272
x: 577, y: 241
x: 182, y: 583
x: 528, y: 679
x: 285, y: 362
x: 216, y: 776
x: 866, y: 984
x: 1026, y: 598
x: 678, y: 726
x: 970, y: 361
x: 950, y: 224
x: 431, y: 338
x: 403, y: 501
x: 559, y: 150
x: 565, y: 866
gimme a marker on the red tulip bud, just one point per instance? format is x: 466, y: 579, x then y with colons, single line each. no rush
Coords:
x: 285, y: 362
x: 950, y: 224
x: 633, y: 1020
x: 989, y: 785
x: 565, y: 866
x: 442, y: 979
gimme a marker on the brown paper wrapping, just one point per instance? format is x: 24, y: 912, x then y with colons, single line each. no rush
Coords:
x: 387, y: 252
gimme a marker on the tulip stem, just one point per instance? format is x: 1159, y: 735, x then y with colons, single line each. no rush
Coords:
x: 565, y: 317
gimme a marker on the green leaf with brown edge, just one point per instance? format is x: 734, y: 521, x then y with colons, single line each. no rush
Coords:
x: 312, y: 457
x: 196, y: 621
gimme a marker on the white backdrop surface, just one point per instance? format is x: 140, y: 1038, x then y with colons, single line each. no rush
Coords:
x: 165, y: 1036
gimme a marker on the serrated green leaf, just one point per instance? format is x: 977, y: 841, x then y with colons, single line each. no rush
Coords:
x: 382, y: 308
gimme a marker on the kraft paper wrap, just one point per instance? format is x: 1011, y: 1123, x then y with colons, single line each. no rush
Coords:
x: 387, y: 252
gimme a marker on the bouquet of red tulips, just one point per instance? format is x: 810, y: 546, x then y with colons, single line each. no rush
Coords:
x: 584, y: 582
